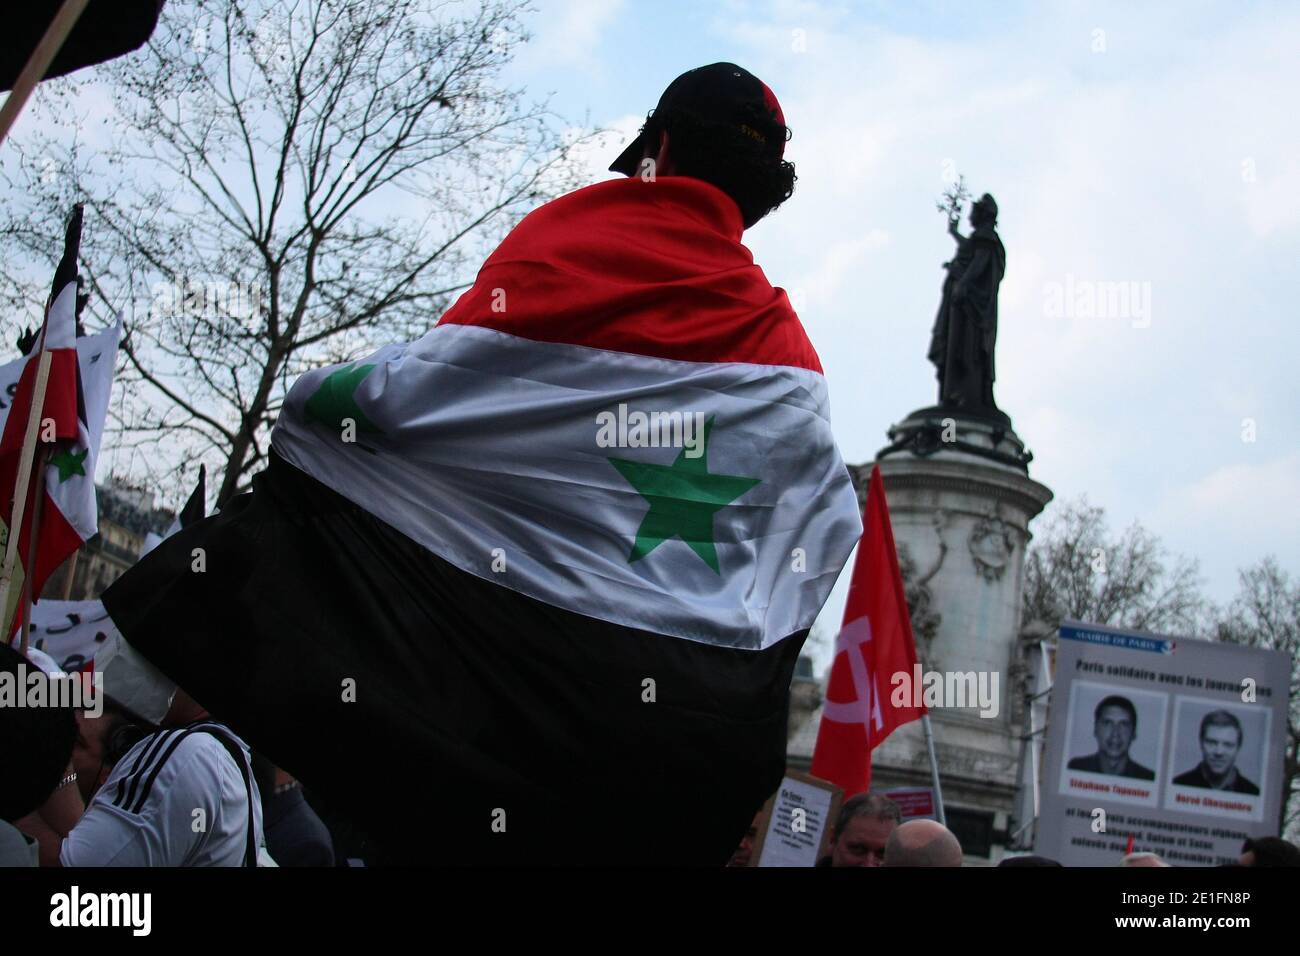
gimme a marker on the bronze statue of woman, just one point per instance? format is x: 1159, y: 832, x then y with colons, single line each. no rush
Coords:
x: 966, y: 328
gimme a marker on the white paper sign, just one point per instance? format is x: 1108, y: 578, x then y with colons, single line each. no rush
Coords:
x: 800, y: 815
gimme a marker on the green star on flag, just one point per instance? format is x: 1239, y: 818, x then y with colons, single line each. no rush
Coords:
x: 69, y: 463
x: 335, y: 400
x: 683, y: 500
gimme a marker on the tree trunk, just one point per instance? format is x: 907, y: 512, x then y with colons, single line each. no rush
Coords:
x: 247, y: 427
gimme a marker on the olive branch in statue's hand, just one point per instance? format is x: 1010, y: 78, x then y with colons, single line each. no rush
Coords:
x: 951, y: 202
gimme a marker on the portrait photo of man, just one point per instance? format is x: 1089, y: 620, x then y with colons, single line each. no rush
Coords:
x: 1220, y: 739
x: 1115, y: 727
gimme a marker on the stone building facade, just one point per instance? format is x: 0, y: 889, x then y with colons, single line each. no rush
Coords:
x: 126, y: 515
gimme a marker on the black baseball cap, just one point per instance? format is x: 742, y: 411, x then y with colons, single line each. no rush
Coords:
x: 720, y: 92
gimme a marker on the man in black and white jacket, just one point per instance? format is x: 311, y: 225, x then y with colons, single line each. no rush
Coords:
x: 182, y: 796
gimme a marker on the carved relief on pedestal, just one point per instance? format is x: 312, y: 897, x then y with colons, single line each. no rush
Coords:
x: 920, y: 601
x: 991, y: 545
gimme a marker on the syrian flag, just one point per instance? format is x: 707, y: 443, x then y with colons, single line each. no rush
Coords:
x: 195, y: 510
x: 874, y: 644
x: 548, y: 568
x: 70, y: 514
x: 71, y: 423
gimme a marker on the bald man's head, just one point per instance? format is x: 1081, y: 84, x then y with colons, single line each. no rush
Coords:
x: 922, y: 843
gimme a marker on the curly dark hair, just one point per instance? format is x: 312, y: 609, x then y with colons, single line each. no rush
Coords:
x: 743, y: 161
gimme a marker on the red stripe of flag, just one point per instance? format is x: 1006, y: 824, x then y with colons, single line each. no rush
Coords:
x: 686, y: 289
x: 58, y: 422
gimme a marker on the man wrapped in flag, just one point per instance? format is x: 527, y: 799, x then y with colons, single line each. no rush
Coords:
x: 531, y: 588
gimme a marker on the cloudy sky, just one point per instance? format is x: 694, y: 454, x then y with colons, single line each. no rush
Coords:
x: 1153, y: 144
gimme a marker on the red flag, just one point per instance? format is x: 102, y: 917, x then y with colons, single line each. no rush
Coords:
x: 58, y: 421
x: 58, y: 418
x: 874, y: 643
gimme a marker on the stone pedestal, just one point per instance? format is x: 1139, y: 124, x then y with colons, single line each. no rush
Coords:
x: 961, y: 499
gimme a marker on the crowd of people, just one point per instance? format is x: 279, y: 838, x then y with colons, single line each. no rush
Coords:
x: 105, y: 786
x: 870, y: 831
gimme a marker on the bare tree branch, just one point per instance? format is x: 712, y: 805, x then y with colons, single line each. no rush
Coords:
x: 285, y: 184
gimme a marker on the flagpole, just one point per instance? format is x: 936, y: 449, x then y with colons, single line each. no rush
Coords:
x: 39, y: 62
x: 934, y: 770
x: 23, y: 480
x: 32, y: 543
x: 72, y: 574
